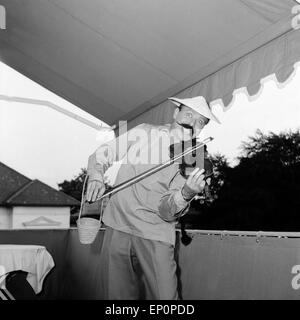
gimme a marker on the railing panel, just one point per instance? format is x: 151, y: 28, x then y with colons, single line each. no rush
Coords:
x: 211, y: 267
x: 82, y: 265
x: 236, y: 267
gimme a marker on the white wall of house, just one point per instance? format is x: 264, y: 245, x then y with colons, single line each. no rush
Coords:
x: 21, y: 215
x: 5, y: 218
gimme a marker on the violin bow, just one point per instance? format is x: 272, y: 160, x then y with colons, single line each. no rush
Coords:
x: 156, y: 169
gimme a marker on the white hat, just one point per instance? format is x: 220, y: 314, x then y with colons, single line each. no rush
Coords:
x: 198, y: 104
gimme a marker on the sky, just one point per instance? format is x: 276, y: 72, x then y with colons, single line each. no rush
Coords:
x: 44, y: 144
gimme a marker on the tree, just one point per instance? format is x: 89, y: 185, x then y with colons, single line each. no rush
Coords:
x: 261, y: 192
x: 74, y: 187
x: 282, y: 150
x: 221, y: 171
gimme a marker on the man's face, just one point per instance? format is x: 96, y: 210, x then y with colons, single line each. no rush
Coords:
x: 189, y: 122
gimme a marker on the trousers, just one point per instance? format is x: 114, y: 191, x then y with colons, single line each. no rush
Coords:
x: 133, y: 268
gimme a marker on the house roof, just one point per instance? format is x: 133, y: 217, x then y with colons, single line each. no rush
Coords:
x: 10, y: 182
x: 18, y: 190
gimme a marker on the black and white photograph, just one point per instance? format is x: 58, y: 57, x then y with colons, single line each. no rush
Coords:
x: 149, y: 153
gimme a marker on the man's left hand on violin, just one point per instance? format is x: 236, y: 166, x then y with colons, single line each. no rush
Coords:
x: 194, y: 185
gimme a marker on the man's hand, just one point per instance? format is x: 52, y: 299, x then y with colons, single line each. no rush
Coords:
x: 194, y: 184
x: 95, y: 190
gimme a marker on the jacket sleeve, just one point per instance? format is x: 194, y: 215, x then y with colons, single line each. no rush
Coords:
x: 172, y: 204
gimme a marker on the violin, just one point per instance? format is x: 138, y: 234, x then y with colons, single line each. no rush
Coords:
x: 196, y: 159
x: 187, y: 164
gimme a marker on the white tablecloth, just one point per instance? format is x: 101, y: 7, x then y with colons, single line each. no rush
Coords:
x: 35, y: 260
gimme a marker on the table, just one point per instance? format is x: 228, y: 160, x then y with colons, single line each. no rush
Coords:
x: 36, y: 261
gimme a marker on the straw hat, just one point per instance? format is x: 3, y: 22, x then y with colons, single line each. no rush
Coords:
x: 198, y: 104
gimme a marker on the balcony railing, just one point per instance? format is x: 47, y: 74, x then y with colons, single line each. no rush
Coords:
x: 216, y: 265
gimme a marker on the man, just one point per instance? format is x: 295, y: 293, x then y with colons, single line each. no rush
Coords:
x: 137, y: 256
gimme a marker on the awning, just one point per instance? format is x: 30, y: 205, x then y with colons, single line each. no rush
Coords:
x: 121, y: 60
x: 278, y: 57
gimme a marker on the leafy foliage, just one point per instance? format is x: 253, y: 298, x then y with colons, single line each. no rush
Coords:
x: 74, y: 187
x: 262, y: 192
